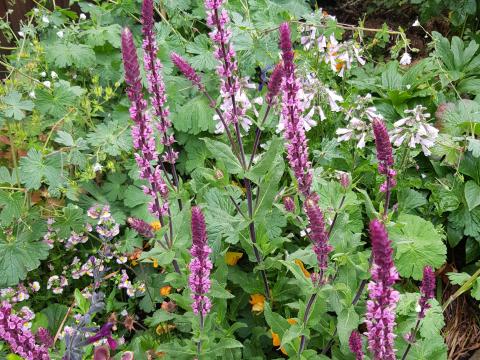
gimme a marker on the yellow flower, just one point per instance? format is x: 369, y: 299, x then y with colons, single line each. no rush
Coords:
x: 302, y: 267
x: 231, y: 257
x: 156, y: 226
x: 258, y: 302
x: 155, y: 262
x: 165, y: 291
x: 276, y: 339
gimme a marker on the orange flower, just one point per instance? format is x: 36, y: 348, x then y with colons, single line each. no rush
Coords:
x: 258, y: 302
x: 231, y: 257
x: 155, y: 263
x: 165, y: 291
x: 339, y: 65
x: 302, y: 267
x: 156, y: 226
x: 276, y: 339
x: 164, y: 328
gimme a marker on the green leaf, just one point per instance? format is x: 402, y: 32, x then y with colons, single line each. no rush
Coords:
x: 60, y: 100
x: 267, y: 160
x: 433, y: 322
x: 100, y: 35
x: 14, y: 106
x: 81, y: 302
x: 12, y: 204
x: 348, y: 320
x: 277, y: 323
x: 223, y: 153
x: 194, y: 116
x: 409, y: 199
x: 417, y: 243
x: 18, y: 257
x: 135, y: 196
x: 112, y: 137
x: 55, y: 314
x: 268, y: 187
x: 6, y: 177
x: 72, y: 219
x: 472, y: 194
x: 158, y: 253
x: 203, y: 59
x: 36, y: 168
x: 158, y: 317
x: 71, y: 54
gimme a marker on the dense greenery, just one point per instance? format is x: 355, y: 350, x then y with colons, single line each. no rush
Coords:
x: 68, y: 162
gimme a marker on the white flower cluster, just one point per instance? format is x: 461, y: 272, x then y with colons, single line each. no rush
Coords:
x: 415, y: 129
x: 340, y: 55
x: 313, y: 92
x: 359, y: 119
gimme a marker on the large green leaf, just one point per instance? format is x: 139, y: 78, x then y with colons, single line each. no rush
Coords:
x: 417, y: 243
x: 223, y: 153
x: 194, y: 116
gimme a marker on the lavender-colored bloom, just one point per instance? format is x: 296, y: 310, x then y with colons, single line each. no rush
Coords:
x: 318, y: 235
x: 274, y: 83
x: 345, y: 180
x: 289, y: 204
x: 156, y: 86
x: 142, y: 132
x: 380, y: 316
x: 428, y: 290
x: 297, y: 149
x: 355, y: 344
x: 200, y: 265
x: 186, y: 69
x: 141, y: 227
x: 18, y: 337
x: 44, y: 337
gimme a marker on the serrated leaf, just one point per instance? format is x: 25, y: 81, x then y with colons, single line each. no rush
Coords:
x: 60, y: 100
x: 6, y: 177
x: 223, y: 153
x: 135, y: 196
x: 11, y: 203
x: 417, y: 243
x: 433, y: 322
x: 72, y: 219
x: 14, y: 106
x: 201, y: 48
x: 348, y: 320
x: 112, y: 137
x: 18, y: 257
x: 100, y: 35
x: 472, y: 194
x: 70, y: 54
x: 36, y: 168
x: 194, y: 116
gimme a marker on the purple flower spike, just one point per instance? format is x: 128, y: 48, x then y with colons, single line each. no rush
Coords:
x: 427, y: 289
x: 297, y: 149
x: 156, y: 86
x: 18, y: 337
x: 384, y: 154
x: 289, y: 204
x: 141, y: 227
x: 318, y: 235
x: 44, y: 337
x: 186, y: 69
x: 380, y: 317
x: 142, y: 131
x: 355, y: 344
x: 200, y: 265
x: 274, y: 83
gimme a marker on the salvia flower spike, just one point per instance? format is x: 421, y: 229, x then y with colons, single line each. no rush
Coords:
x: 156, y: 85
x: 297, y: 149
x: 142, y: 131
x: 355, y: 345
x: 187, y: 70
x: 200, y: 265
x: 380, y: 316
x: 428, y: 290
x: 384, y: 156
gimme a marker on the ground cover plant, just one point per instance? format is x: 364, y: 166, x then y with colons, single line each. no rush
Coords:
x: 241, y: 179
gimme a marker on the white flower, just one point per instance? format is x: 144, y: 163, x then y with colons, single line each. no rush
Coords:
x: 406, y: 59
x: 43, y: 74
x: 124, y: 312
x: 35, y: 286
x: 415, y: 130
x: 21, y: 34
x: 333, y: 97
x: 35, y: 10
x: 32, y: 94
x: 416, y: 23
x: 83, y: 16
x: 45, y: 19
x: 60, y: 34
x: 47, y: 83
x: 54, y: 75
